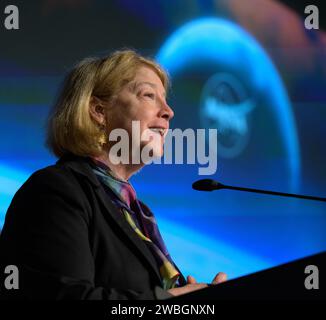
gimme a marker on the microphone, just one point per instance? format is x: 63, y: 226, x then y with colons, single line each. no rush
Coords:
x: 210, y: 185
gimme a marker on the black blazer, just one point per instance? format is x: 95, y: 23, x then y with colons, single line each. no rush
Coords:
x: 69, y: 241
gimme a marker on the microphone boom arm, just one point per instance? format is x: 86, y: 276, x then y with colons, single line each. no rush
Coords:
x: 275, y: 193
x: 210, y: 185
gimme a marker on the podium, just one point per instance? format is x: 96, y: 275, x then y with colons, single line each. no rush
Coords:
x: 285, y: 282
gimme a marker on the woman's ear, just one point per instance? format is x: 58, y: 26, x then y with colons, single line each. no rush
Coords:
x: 97, y: 110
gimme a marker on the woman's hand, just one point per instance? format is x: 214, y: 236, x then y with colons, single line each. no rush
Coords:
x: 193, y: 285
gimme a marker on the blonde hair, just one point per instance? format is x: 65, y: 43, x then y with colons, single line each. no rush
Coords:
x: 70, y: 126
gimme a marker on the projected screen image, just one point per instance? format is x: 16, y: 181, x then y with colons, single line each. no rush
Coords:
x: 258, y: 78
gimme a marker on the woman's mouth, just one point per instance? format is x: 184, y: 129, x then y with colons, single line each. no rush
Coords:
x: 160, y: 131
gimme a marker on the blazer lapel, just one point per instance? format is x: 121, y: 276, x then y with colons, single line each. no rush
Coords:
x: 127, y: 229
x: 82, y: 167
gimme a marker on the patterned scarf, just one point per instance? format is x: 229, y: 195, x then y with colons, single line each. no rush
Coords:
x: 141, y: 219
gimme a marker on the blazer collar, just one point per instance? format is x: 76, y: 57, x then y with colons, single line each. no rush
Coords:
x: 81, y: 166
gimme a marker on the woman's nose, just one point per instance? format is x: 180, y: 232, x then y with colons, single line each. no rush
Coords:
x: 166, y: 111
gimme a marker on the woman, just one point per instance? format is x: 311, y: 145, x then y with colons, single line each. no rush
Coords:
x: 76, y: 230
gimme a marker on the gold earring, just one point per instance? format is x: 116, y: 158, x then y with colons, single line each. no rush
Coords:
x: 102, y: 139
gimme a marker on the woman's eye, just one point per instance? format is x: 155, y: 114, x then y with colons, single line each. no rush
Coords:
x: 149, y: 95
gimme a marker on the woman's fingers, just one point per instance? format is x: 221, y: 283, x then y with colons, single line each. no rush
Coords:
x: 192, y: 284
x: 219, y: 278
x: 190, y: 287
x: 191, y: 280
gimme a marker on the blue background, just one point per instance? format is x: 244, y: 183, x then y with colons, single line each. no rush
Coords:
x: 266, y: 75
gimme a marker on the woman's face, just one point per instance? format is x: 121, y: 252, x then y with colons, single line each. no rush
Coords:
x: 144, y: 100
